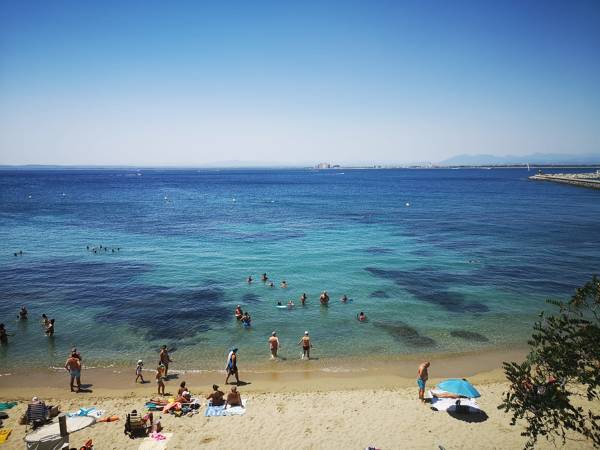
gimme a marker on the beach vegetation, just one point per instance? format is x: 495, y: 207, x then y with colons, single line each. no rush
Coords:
x: 552, y: 391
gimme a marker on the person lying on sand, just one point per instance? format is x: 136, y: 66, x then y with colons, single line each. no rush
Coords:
x: 234, y: 398
x: 216, y: 398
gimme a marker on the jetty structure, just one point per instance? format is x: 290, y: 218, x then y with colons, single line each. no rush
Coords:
x: 588, y: 180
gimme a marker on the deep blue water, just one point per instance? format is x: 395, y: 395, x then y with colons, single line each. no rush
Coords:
x: 440, y: 260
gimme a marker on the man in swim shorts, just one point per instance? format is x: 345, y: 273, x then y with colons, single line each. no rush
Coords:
x: 274, y: 344
x: 422, y: 376
x: 306, y: 345
x: 165, y: 359
x: 73, y: 366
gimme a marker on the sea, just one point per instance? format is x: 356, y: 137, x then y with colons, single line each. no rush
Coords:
x: 441, y: 261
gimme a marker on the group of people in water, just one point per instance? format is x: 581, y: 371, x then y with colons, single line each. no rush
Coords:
x: 323, y: 300
x: 47, y: 324
x: 102, y: 248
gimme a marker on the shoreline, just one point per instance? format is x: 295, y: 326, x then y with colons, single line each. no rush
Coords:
x: 271, y: 376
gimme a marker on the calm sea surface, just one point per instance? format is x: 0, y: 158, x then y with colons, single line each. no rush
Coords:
x: 439, y: 260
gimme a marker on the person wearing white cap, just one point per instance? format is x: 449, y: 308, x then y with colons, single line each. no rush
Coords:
x: 274, y: 344
x: 306, y: 345
x: 138, y: 371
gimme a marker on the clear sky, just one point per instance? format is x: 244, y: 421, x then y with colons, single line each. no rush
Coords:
x: 186, y: 83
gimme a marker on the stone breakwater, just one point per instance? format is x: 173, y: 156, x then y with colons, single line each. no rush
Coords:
x: 588, y: 180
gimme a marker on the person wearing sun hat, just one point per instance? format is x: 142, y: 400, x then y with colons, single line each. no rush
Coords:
x: 138, y: 371
x: 306, y: 345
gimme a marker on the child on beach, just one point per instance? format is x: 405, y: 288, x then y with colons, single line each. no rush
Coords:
x: 160, y: 383
x: 138, y: 371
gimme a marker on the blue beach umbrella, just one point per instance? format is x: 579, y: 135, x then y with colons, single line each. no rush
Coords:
x: 459, y: 387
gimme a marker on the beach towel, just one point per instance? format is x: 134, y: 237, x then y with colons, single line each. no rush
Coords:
x: 90, y: 412
x: 214, y: 411
x: 449, y: 404
x: 235, y: 410
x: 7, y: 405
x: 158, y: 442
x: 4, y: 434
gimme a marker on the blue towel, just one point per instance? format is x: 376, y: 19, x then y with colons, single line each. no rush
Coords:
x: 212, y: 411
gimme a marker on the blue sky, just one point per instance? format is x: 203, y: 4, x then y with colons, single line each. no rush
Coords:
x: 185, y: 83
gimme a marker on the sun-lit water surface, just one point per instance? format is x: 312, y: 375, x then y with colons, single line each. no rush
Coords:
x: 439, y: 260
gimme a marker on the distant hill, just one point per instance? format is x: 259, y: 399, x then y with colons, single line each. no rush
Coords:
x: 535, y: 158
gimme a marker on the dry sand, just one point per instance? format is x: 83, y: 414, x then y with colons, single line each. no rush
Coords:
x: 285, y: 410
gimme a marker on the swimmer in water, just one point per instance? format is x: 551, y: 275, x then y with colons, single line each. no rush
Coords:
x: 50, y: 328
x: 3, y: 335
x: 361, y: 317
x: 249, y: 280
x: 290, y: 304
x: 344, y: 298
x: 324, y: 298
x: 284, y: 284
x: 303, y: 298
x: 279, y: 304
x: 238, y: 312
x: 23, y: 313
x: 271, y: 284
x: 246, y: 319
x: 264, y: 277
x: 45, y: 321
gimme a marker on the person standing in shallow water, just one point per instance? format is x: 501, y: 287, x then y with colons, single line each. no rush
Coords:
x: 73, y: 366
x: 422, y: 376
x: 303, y: 298
x: 274, y: 345
x: 165, y: 359
x: 306, y: 345
x: 3, y: 335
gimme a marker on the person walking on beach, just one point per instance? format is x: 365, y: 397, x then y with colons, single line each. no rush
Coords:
x: 422, y: 376
x: 231, y: 366
x: 306, y: 345
x: 73, y: 366
x: 165, y: 359
x: 138, y: 371
x: 274, y: 345
x: 160, y: 379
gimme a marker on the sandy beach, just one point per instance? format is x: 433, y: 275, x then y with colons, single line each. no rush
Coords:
x: 292, y: 409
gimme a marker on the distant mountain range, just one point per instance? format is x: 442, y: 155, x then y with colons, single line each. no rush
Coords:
x: 534, y: 158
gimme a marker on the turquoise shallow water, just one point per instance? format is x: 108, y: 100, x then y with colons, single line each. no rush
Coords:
x: 466, y: 265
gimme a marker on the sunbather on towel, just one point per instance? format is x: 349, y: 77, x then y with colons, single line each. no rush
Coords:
x: 234, y: 398
x: 216, y: 398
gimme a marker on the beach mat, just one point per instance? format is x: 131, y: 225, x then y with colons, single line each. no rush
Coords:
x: 449, y: 404
x: 152, y: 444
x: 216, y: 411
